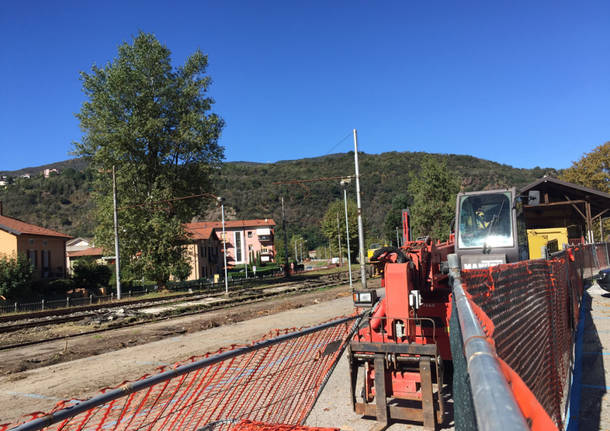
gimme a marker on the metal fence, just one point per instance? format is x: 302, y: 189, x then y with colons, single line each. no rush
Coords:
x: 202, y: 285
x: 529, y: 313
x: 275, y: 380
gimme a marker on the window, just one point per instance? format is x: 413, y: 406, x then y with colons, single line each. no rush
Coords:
x: 238, y: 256
x: 45, y: 257
x: 249, y: 234
x: 31, y: 241
x: 32, y: 258
x: 485, y: 221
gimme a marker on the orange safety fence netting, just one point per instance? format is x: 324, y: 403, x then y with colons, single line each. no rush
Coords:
x: 275, y: 380
x: 534, y: 308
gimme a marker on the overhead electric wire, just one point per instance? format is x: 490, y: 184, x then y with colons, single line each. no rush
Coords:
x: 339, y: 142
x: 209, y: 195
x: 313, y: 180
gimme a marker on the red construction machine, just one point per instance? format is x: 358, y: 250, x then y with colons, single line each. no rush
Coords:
x: 396, y: 357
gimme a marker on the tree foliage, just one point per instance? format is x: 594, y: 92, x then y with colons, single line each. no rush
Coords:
x: 15, y: 277
x: 592, y: 170
x: 434, y: 192
x: 91, y: 275
x: 393, y: 218
x: 250, y: 192
x: 333, y: 225
x: 153, y: 123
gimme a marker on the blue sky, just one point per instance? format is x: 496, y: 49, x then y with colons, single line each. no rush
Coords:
x: 520, y: 83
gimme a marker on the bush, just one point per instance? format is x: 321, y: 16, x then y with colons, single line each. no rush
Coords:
x: 90, y: 275
x: 15, y: 277
x: 56, y: 288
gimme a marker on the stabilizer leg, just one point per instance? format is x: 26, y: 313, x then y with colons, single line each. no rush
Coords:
x: 380, y: 393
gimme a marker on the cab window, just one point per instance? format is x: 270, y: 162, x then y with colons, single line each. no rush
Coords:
x: 484, y: 221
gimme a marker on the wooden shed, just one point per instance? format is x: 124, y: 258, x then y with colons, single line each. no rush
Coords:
x: 550, y: 202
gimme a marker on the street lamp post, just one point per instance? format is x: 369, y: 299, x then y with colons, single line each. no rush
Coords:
x: 339, y: 240
x: 224, y: 241
x: 344, y: 184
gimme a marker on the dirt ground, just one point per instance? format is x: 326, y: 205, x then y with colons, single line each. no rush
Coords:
x: 38, y: 376
x: 53, y: 352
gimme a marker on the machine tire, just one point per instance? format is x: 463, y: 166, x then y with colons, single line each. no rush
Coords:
x: 400, y: 256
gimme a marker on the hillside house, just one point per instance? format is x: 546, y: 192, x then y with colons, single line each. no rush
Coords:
x: 44, y: 248
x: 244, y: 239
x: 204, y: 252
x: 81, y: 248
x: 47, y: 172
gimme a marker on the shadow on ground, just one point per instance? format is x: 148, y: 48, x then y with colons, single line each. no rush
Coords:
x: 593, y: 382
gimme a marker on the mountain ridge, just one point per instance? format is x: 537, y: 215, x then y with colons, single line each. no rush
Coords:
x: 62, y: 202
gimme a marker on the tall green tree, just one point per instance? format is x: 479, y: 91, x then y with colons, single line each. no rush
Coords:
x: 278, y: 246
x: 332, y: 229
x: 434, y: 192
x: 153, y: 123
x: 592, y: 170
x: 393, y: 218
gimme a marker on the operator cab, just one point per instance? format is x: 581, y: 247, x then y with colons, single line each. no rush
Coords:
x: 488, y: 230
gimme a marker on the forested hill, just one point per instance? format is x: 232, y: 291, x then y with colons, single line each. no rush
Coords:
x: 61, y: 202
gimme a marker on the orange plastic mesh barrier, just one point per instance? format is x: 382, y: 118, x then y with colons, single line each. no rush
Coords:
x: 247, y: 425
x: 275, y: 380
x: 533, y: 306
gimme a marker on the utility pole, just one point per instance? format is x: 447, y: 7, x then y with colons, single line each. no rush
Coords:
x: 301, y: 244
x: 224, y: 242
x: 296, y: 255
x: 116, y: 237
x: 286, y: 271
x: 359, y: 204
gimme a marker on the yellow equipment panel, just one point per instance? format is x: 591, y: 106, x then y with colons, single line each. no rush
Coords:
x: 536, y: 238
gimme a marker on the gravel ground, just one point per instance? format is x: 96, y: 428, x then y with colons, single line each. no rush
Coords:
x: 39, y: 389
x: 334, y: 408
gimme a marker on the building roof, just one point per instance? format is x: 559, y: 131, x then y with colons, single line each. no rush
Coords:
x: 18, y: 227
x: 75, y: 241
x: 565, y: 186
x: 196, y: 232
x: 92, y: 251
x: 231, y: 224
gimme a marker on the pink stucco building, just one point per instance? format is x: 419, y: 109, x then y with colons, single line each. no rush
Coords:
x: 244, y: 238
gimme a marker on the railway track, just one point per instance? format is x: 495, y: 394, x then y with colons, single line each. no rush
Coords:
x: 51, y: 316
x: 242, y: 297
